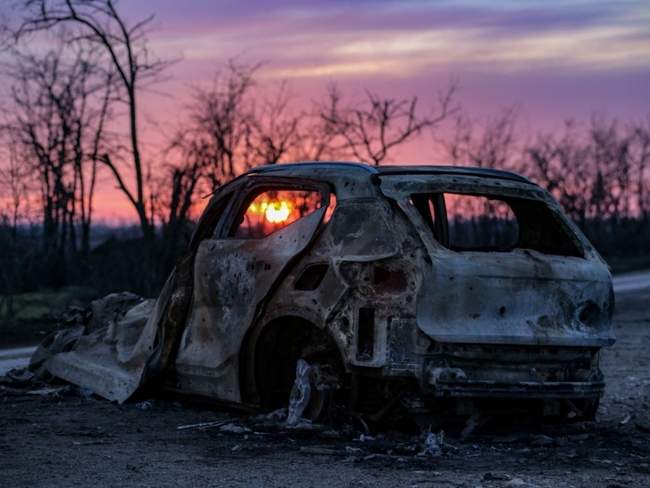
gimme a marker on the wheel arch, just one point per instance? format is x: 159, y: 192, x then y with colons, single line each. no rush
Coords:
x: 285, y: 317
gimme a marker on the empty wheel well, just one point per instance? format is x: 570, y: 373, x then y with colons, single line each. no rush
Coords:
x: 269, y: 362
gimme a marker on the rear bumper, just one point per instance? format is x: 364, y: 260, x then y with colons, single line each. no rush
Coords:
x: 488, y: 371
x: 493, y: 389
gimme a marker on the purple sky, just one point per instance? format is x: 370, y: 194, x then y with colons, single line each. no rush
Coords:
x: 554, y: 59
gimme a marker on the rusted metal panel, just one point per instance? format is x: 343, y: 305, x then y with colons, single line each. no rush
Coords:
x: 133, y: 346
x: 397, y: 303
x: 517, y: 297
x: 231, y: 278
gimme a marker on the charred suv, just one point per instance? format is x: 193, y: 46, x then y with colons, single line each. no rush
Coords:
x: 424, y: 283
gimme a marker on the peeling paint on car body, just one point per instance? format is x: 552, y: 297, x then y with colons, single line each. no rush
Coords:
x: 396, y: 303
x: 380, y: 257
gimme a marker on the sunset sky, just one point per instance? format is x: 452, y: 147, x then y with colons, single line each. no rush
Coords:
x: 554, y: 59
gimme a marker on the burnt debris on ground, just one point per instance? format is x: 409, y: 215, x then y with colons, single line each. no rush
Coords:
x: 161, y: 429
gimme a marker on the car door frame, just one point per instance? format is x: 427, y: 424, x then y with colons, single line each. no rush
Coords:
x: 224, y: 384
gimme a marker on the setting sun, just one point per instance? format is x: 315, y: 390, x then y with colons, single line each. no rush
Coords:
x: 278, y: 211
x: 274, y: 211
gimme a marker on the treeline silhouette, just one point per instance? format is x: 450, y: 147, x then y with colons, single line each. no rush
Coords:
x: 72, y: 124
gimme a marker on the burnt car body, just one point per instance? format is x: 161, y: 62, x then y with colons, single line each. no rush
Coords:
x: 443, y: 282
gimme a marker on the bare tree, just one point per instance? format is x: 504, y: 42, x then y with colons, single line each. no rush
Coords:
x: 98, y: 24
x: 218, y: 125
x: 371, y: 129
x: 210, y: 148
x: 58, y: 128
x: 640, y: 156
x: 14, y: 183
x: 271, y: 129
x: 232, y: 127
x: 317, y: 139
x: 173, y: 196
x: 612, y: 168
x: 491, y: 145
x: 560, y: 163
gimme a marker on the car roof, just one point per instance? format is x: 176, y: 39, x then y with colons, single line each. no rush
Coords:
x: 342, y: 167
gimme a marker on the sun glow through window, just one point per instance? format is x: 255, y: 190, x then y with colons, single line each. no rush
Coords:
x: 272, y: 210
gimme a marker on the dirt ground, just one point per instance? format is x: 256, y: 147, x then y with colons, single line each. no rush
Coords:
x: 70, y: 440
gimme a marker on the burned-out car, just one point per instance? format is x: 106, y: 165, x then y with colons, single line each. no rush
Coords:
x: 425, y: 284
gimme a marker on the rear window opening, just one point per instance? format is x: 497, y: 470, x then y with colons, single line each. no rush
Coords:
x: 487, y: 223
